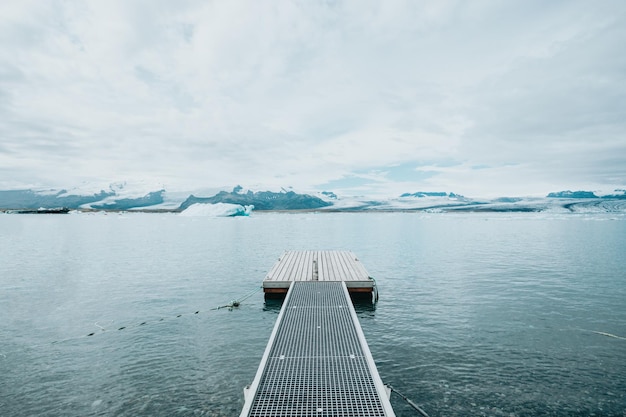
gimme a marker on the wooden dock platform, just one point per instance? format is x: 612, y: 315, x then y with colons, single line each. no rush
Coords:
x: 335, y: 265
x: 317, y: 362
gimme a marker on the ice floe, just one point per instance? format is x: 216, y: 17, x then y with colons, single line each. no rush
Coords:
x: 217, y: 210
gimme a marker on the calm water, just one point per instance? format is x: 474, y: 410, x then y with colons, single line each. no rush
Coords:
x: 479, y: 314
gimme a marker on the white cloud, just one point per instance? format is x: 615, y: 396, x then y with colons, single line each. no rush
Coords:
x: 290, y: 93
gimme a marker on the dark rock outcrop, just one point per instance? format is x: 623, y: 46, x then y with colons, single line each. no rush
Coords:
x: 262, y: 200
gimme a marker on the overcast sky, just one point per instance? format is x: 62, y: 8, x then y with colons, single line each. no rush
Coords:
x: 481, y: 98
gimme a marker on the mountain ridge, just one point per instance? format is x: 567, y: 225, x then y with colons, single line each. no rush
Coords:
x: 133, y: 197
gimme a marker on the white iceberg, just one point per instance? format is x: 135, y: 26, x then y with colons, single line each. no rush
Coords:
x: 217, y: 210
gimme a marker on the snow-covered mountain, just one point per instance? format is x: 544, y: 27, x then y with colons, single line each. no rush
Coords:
x: 116, y: 196
x: 563, y: 201
x: 261, y: 200
x: 151, y: 197
x: 143, y: 196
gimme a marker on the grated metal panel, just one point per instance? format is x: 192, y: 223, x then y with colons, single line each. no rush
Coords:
x: 316, y: 364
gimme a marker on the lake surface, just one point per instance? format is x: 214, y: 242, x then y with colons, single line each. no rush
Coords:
x: 479, y: 314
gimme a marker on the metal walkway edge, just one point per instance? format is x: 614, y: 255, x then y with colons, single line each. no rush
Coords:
x: 317, y: 362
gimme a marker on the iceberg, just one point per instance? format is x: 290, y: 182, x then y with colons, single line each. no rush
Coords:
x: 217, y: 210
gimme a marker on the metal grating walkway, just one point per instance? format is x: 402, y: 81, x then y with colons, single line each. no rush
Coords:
x: 317, y: 362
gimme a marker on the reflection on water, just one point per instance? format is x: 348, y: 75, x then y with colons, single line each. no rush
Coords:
x: 273, y: 303
x: 363, y: 305
x: 362, y: 302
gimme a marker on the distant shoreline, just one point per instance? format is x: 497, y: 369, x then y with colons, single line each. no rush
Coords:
x: 428, y: 210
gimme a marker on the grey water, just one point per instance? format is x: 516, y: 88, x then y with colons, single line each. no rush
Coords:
x: 479, y: 314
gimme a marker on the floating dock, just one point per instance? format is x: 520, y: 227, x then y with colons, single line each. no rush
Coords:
x: 317, y: 362
x: 318, y: 266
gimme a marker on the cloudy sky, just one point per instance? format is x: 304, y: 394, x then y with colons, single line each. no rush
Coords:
x: 481, y: 98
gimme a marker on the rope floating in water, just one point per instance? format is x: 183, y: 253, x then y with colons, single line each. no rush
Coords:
x: 608, y: 334
x: 411, y: 403
x: 233, y: 304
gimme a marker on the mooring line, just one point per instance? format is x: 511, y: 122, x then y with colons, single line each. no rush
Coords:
x: 607, y: 334
x: 103, y: 328
x: 411, y: 403
x: 233, y: 304
x: 578, y: 329
x: 611, y: 335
